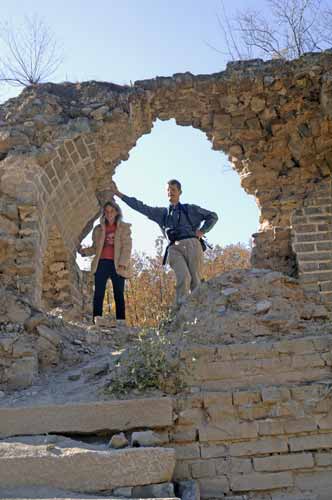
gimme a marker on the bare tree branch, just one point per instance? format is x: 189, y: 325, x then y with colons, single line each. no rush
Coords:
x: 231, y: 43
x: 292, y: 28
x: 32, y: 54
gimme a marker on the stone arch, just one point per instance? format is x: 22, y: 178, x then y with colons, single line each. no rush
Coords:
x: 60, y: 145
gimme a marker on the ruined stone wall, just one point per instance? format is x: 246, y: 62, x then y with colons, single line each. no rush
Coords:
x: 56, y: 281
x: 248, y: 366
x: 254, y: 423
x: 87, y: 292
x: 257, y: 422
x: 60, y: 145
x: 264, y: 441
x: 312, y: 240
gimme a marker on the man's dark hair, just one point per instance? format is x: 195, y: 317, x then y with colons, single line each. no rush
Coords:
x: 174, y: 182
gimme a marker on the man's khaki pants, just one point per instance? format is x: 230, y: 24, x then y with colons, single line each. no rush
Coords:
x: 186, y: 258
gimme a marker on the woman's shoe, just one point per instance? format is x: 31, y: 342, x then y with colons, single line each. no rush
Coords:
x: 103, y: 321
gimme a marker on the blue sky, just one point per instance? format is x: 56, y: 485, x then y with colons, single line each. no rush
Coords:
x: 127, y: 40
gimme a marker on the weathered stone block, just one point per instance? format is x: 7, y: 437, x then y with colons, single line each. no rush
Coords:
x: 186, y: 451
x: 149, y: 438
x: 73, y: 466
x: 228, y: 431
x: 298, y: 346
x: 257, y: 481
x: 86, y: 417
x: 318, y: 482
x: 233, y: 465
x: 295, y: 426
x: 191, y: 416
x: 182, y: 434
x: 213, y: 451
x: 274, y: 394
x: 48, y: 334
x: 214, y: 488
x: 257, y: 104
x: 187, y: 490
x: 203, y: 468
x: 223, y: 399
x: 21, y: 374
x: 284, y: 462
x: 118, y: 441
x: 48, y: 354
x: 325, y: 423
x: 261, y: 446
x: 313, y: 442
x: 163, y: 490
x: 6, y: 344
x: 222, y: 121
x: 22, y: 348
x: 323, y: 459
x: 270, y: 428
x: 182, y: 470
x: 246, y: 397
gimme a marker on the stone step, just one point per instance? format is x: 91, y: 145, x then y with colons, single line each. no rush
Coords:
x: 51, y: 494
x: 241, y: 365
x: 48, y: 493
x: 70, y: 496
x: 86, y: 417
x: 74, y: 466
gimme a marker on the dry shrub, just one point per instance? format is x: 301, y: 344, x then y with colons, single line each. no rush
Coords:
x: 150, y: 292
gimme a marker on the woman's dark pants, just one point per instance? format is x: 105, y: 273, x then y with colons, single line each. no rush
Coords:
x: 105, y: 270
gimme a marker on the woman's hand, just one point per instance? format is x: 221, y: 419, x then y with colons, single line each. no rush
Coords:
x: 121, y: 269
x: 81, y: 251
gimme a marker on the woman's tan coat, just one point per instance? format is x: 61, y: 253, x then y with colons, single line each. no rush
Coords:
x: 122, y: 248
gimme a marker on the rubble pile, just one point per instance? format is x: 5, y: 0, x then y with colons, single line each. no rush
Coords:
x: 248, y: 305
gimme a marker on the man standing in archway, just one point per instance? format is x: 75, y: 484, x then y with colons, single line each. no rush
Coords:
x: 182, y: 225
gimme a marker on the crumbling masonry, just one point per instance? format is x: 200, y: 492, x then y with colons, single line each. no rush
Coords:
x: 60, y: 145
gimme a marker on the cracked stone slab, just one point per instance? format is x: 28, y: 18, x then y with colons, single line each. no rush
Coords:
x: 86, y: 417
x: 73, y: 466
x: 47, y: 493
x: 71, y: 496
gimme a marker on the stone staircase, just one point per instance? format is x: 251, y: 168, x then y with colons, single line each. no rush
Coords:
x: 36, y: 457
x: 258, y: 422
x: 46, y: 493
x: 65, y: 464
x: 218, y: 367
x: 254, y: 423
x: 86, y: 418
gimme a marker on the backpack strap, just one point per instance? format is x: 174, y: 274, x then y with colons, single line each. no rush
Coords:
x: 185, y: 209
x: 163, y: 225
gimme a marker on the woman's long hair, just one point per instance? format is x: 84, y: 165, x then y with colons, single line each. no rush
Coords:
x: 118, y: 216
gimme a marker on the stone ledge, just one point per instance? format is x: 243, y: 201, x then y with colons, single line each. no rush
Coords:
x: 46, y: 493
x: 86, y: 417
x: 73, y: 466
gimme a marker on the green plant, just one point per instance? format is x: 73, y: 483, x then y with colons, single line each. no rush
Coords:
x: 151, y: 363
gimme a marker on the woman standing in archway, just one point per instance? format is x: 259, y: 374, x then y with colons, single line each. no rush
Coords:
x: 111, y: 245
